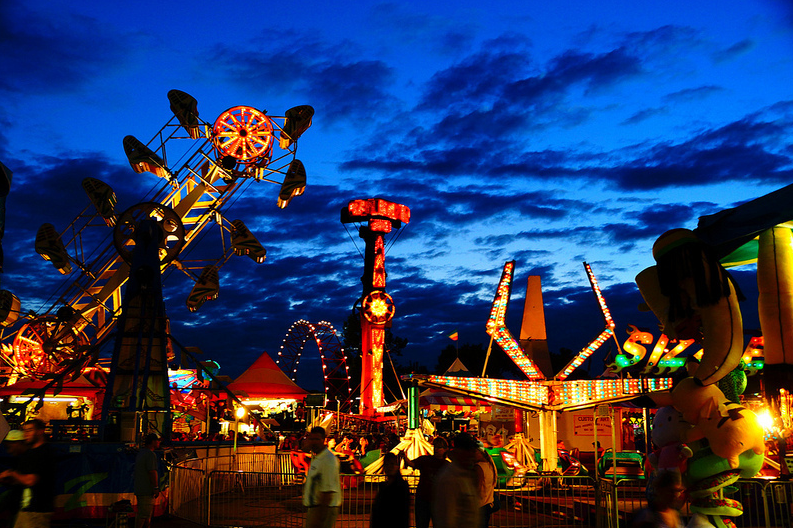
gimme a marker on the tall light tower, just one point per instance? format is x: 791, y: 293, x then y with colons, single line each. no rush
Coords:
x: 377, y: 307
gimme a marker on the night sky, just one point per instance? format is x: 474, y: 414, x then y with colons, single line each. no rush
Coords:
x: 549, y: 133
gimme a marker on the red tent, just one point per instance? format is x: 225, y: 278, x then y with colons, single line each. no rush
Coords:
x: 265, y: 381
x: 79, y: 387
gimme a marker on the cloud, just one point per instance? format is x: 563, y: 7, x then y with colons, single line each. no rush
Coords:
x: 42, y: 54
x: 339, y: 83
x: 736, y: 50
x: 480, y: 77
x: 681, y: 96
x: 650, y: 222
x: 692, y: 94
x: 740, y: 151
x: 665, y: 44
x: 643, y: 115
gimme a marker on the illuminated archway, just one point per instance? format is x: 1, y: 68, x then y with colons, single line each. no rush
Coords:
x: 334, y: 362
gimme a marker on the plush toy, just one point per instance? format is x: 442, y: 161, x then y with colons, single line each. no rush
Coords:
x: 668, y: 434
x: 730, y: 430
x: 694, y: 297
x: 734, y: 383
x: 690, y: 397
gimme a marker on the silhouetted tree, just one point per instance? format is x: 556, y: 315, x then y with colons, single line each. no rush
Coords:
x: 561, y: 358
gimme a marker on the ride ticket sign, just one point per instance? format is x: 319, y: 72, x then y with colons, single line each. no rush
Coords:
x: 584, y: 425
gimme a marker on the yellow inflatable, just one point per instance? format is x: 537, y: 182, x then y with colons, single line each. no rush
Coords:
x: 689, y: 397
x: 775, y: 282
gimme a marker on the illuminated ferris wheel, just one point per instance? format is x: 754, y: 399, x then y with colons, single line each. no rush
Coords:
x: 202, y: 167
x: 335, y: 371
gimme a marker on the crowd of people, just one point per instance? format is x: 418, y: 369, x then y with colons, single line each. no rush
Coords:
x: 456, y: 487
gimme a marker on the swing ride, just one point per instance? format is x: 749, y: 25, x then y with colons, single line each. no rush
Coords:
x: 202, y: 168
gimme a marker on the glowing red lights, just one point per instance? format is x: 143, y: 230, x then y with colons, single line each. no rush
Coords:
x: 244, y: 133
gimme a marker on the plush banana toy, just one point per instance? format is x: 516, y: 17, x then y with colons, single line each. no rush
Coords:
x: 694, y: 298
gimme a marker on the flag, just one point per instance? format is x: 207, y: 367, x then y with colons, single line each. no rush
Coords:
x: 453, y: 336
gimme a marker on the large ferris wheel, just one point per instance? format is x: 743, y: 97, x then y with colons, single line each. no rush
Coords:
x: 335, y: 371
x: 202, y: 167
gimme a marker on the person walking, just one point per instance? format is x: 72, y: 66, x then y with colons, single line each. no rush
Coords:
x: 36, y: 475
x: 147, y: 480
x: 322, y: 489
x: 391, y: 508
x: 455, y: 502
x: 15, y: 445
x: 664, y: 508
x: 486, y: 477
x: 428, y: 466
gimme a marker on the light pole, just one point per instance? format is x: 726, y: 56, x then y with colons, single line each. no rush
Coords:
x: 239, y: 413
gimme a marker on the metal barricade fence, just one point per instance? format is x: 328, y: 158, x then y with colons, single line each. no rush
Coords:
x: 241, y: 498
x: 189, y: 496
x: 766, y: 503
x: 552, y: 501
x: 620, y: 500
x: 186, y: 494
x: 227, y: 492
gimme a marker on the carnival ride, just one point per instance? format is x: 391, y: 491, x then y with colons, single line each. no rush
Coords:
x: 546, y: 395
x: 376, y: 218
x: 335, y: 371
x: 203, y: 168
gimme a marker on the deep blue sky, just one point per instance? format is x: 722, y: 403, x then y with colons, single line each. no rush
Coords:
x: 545, y: 132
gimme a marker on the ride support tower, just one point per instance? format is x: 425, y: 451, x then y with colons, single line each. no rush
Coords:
x: 376, y: 306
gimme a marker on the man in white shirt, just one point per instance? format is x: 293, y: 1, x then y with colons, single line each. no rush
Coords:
x: 322, y: 490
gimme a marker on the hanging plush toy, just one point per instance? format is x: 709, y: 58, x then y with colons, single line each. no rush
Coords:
x: 694, y: 297
x: 734, y: 383
x: 735, y: 448
x: 668, y: 434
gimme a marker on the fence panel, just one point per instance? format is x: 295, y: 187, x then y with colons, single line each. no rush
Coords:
x: 552, y: 501
x: 228, y: 491
x: 779, y: 499
x: 620, y: 501
x: 186, y: 494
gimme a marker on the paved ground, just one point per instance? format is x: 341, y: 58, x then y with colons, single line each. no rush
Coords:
x: 157, y: 522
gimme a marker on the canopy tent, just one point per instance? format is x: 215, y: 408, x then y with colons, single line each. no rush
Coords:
x: 264, y: 380
x: 440, y: 400
x: 733, y: 233
x: 82, y: 386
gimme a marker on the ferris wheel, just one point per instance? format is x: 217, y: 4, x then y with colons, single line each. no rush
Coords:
x: 212, y: 164
x: 335, y: 371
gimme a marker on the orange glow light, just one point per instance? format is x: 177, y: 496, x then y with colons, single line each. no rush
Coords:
x: 378, y: 343
x: 378, y: 276
x: 375, y: 207
x: 243, y: 133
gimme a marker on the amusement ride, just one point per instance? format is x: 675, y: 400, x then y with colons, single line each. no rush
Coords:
x: 203, y: 167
